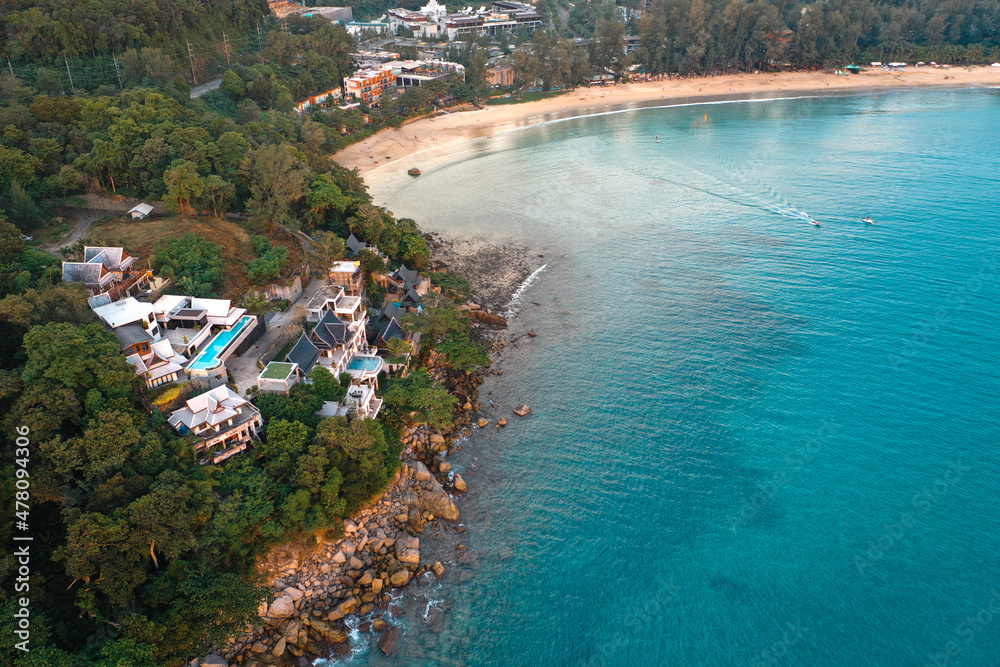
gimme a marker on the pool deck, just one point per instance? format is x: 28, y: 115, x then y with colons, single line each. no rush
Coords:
x: 212, y: 355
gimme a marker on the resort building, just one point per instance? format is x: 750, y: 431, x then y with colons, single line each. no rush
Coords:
x: 278, y: 377
x: 432, y: 20
x: 500, y: 77
x: 108, y: 270
x: 314, y: 101
x: 333, y: 343
x: 349, y: 276
x: 223, y: 422
x: 369, y: 85
x: 405, y: 285
x: 409, y: 73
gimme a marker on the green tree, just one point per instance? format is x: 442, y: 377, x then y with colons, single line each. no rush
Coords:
x: 277, y: 181
x: 419, y: 398
x: 183, y: 185
x: 192, y: 261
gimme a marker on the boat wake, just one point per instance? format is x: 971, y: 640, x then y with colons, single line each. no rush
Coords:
x: 515, y: 299
x: 716, y: 187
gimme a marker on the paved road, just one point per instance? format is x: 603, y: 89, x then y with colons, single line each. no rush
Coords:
x: 563, y: 15
x: 243, y: 370
x: 205, y: 87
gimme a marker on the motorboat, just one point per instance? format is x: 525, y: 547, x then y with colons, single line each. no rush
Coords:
x: 868, y: 220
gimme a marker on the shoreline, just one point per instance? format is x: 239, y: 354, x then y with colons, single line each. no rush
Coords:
x: 447, y: 132
x: 338, y: 595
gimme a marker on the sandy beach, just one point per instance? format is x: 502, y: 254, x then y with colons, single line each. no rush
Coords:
x: 447, y: 130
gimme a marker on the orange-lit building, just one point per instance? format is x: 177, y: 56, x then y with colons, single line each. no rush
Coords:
x: 369, y: 85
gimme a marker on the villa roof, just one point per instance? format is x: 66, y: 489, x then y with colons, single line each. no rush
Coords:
x: 168, y: 302
x: 79, y: 272
x: 411, y: 296
x: 410, y: 277
x: 131, y: 334
x: 331, y: 330
x: 212, y: 408
x: 345, y: 267
x: 354, y: 244
x: 215, y: 307
x: 124, y: 311
x: 388, y: 313
x: 304, y: 354
x: 393, y: 330
x: 115, y: 258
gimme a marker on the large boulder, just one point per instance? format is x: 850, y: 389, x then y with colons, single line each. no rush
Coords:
x: 343, y: 609
x: 328, y: 632
x: 212, y: 660
x: 279, y: 648
x: 408, y: 549
x: 522, y: 410
x: 293, y: 593
x: 389, y: 643
x: 460, y: 484
x: 401, y: 578
x: 282, y: 607
x: 435, y: 499
x: 290, y: 631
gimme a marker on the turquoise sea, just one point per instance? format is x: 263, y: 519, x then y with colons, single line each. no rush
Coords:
x: 754, y: 441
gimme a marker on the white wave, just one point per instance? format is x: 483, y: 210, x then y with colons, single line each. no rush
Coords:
x: 515, y: 299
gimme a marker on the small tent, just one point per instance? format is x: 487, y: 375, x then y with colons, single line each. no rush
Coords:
x: 141, y: 211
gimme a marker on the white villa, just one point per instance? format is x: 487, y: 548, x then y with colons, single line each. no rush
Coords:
x: 224, y: 422
x: 338, y: 341
x: 360, y: 403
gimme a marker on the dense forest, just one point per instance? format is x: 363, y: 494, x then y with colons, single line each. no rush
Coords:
x: 142, y: 557
x: 701, y: 37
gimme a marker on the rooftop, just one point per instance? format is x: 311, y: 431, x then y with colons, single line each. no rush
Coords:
x: 278, y: 370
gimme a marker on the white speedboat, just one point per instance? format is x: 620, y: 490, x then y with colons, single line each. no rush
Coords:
x: 868, y: 220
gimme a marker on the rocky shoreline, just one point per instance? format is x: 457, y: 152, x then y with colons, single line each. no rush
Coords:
x: 320, y: 587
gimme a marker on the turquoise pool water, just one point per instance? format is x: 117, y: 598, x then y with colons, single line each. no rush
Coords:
x: 209, y: 356
x: 366, y: 364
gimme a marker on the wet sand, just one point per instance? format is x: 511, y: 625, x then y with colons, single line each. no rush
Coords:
x: 451, y: 129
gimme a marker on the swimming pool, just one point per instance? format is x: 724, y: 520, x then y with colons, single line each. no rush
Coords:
x: 209, y: 357
x: 365, y: 364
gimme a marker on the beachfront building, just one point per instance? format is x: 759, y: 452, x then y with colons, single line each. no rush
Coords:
x: 355, y: 246
x: 223, y: 423
x: 108, y: 270
x: 313, y: 101
x: 369, y: 85
x: 409, y: 73
x: 405, y: 284
x: 332, y: 343
x: 500, y: 77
